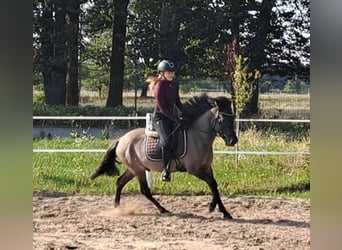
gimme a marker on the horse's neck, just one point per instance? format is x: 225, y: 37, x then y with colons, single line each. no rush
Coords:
x: 201, y: 128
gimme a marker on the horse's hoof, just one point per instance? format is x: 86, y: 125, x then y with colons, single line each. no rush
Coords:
x: 93, y: 176
x: 165, y: 211
x: 211, y: 207
x: 228, y: 217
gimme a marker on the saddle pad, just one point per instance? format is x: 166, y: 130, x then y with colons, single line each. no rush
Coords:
x: 150, y: 130
x: 153, y: 151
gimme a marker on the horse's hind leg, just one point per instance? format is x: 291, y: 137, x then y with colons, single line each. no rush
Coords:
x: 120, y: 183
x: 210, y: 180
x: 145, y: 190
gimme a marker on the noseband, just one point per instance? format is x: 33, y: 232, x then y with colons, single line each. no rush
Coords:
x: 218, y: 120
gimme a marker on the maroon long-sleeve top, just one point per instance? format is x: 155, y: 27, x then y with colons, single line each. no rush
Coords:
x: 166, y: 94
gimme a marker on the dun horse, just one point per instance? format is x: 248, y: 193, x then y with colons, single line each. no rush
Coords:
x: 207, y: 117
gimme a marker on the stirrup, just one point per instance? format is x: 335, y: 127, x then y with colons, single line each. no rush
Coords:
x: 166, y: 176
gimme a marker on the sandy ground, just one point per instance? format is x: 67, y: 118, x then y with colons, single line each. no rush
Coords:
x: 91, y: 222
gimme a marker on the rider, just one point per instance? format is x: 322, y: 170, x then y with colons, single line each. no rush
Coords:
x: 167, y: 101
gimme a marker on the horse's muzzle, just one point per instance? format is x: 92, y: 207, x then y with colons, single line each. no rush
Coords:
x: 231, y: 140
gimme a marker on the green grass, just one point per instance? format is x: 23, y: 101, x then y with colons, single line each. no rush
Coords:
x: 271, y: 175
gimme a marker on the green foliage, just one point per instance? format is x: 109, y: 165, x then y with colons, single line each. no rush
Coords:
x: 200, y: 37
x: 203, y: 29
x: 38, y: 98
x: 255, y: 175
x: 242, y: 83
x: 187, y: 86
x: 99, y: 50
x: 95, y: 77
x: 296, y: 86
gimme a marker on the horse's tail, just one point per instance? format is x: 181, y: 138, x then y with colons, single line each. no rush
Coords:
x: 107, y: 166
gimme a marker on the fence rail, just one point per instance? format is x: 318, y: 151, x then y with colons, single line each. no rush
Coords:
x: 215, y: 152
x: 143, y: 117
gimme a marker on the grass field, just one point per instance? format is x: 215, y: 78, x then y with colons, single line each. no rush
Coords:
x: 270, y: 175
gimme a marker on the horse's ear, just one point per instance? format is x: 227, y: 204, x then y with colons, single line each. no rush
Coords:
x: 232, y: 106
x: 212, y: 101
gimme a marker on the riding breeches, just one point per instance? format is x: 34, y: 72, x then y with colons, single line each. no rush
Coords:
x: 164, y: 128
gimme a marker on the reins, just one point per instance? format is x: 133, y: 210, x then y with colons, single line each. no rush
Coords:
x: 226, y: 114
x: 173, y: 131
x: 214, y: 121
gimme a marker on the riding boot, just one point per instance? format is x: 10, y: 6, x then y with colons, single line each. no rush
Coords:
x: 166, y: 174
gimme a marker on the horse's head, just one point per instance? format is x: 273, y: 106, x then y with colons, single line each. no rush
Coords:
x: 223, y: 122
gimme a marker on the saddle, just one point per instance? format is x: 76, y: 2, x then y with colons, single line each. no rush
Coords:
x: 152, y: 147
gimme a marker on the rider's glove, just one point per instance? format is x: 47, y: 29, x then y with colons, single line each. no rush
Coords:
x: 182, y: 121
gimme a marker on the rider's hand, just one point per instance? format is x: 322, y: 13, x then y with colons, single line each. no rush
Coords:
x: 182, y: 121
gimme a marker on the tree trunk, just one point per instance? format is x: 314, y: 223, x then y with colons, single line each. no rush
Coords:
x: 118, y: 51
x: 55, y: 88
x: 257, y: 51
x: 47, y: 49
x: 53, y: 52
x: 232, y: 50
x: 169, y: 29
x: 73, y: 40
x: 144, y: 91
x: 59, y: 66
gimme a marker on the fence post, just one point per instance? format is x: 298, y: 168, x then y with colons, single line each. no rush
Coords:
x: 237, y: 144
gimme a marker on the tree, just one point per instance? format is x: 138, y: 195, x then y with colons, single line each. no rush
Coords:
x: 97, y: 27
x: 73, y: 11
x: 56, y: 28
x: 273, y: 34
x: 243, y: 84
x: 256, y: 51
x: 53, y: 51
x: 96, y: 61
x: 288, y: 50
x: 118, y: 53
x: 169, y: 24
x: 241, y: 78
x: 36, y: 45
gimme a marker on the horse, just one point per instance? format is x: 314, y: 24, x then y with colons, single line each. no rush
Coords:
x: 207, y: 117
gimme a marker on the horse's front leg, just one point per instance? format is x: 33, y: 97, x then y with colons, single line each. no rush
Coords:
x: 216, y: 199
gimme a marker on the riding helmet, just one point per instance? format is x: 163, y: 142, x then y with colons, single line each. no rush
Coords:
x: 166, y: 65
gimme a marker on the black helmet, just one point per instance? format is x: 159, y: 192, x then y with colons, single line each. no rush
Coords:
x: 166, y: 65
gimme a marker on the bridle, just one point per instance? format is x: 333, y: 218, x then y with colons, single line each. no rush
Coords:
x: 217, y: 121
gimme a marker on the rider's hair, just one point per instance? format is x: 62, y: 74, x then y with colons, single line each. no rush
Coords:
x: 153, y: 81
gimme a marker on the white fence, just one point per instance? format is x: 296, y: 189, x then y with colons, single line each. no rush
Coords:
x: 236, y: 152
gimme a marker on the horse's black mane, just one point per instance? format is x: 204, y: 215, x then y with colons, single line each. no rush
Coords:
x: 197, y: 105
